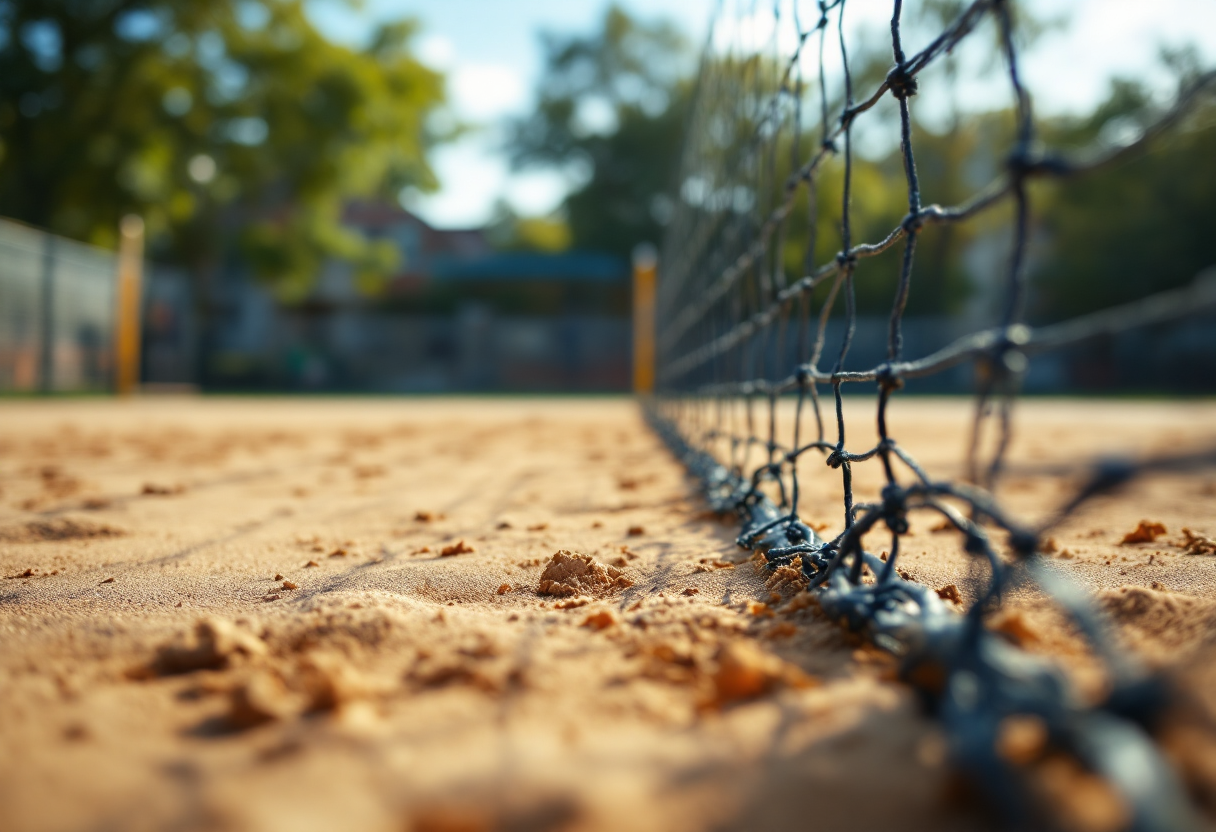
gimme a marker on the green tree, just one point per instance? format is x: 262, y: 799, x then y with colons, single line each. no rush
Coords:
x: 219, y: 122
x: 726, y: 168
x: 1141, y: 226
x: 610, y: 111
x: 509, y: 231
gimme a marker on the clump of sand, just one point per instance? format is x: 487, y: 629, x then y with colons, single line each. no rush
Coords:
x: 213, y: 644
x: 261, y: 698
x: 312, y: 684
x: 571, y: 573
x: 744, y: 671
x: 1193, y: 543
x: 1158, y: 621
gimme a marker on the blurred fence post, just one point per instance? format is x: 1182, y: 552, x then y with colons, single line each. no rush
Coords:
x: 46, y: 334
x: 127, y: 331
x: 644, y: 267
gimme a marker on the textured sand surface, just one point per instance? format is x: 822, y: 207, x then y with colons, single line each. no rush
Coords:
x: 295, y: 614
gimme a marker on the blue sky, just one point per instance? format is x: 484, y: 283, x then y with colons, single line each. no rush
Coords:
x: 491, y: 54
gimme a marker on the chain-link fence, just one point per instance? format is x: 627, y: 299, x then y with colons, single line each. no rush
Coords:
x: 57, y: 312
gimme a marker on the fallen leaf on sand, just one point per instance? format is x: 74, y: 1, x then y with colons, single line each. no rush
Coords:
x: 1146, y: 532
x: 457, y: 548
x: 950, y: 593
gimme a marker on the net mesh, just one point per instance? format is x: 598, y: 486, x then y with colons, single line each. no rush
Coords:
x: 737, y: 335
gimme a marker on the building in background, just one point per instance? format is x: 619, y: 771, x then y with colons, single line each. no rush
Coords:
x: 457, y: 316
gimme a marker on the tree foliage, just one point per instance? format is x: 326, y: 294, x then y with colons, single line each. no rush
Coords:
x: 1098, y: 240
x: 610, y: 111
x: 1142, y: 226
x: 615, y: 104
x: 510, y: 231
x: 214, y: 120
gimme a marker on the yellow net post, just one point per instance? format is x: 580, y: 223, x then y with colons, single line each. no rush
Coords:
x: 130, y: 296
x: 644, y: 268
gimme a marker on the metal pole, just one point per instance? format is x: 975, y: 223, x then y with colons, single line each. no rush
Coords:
x: 46, y: 343
x: 644, y: 267
x: 129, y: 302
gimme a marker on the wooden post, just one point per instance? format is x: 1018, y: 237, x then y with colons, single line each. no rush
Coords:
x: 129, y: 305
x: 644, y: 268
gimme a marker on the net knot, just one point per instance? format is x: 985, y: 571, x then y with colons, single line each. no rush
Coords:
x: 835, y: 458
x: 1012, y: 360
x: 1020, y: 162
x: 913, y: 222
x: 1006, y: 357
x: 828, y: 145
x: 888, y: 378
x: 1027, y: 160
x: 1024, y: 543
x: 901, y: 83
x: 846, y: 259
x: 895, y: 508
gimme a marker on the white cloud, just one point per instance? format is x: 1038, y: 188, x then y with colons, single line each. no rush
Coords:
x: 484, y: 92
x: 536, y: 192
x: 436, y: 51
x: 470, y: 178
x: 473, y: 177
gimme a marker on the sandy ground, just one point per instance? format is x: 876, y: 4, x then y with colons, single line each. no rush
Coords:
x: 296, y: 614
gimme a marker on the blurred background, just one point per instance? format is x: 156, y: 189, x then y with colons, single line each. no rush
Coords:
x: 443, y: 196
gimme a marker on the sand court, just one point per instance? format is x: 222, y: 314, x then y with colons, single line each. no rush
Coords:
x: 227, y: 613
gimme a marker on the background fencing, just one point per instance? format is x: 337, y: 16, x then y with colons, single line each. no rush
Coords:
x: 57, y: 309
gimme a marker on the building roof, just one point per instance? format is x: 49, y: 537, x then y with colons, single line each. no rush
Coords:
x: 574, y: 266
x: 372, y: 216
